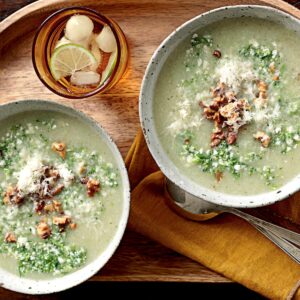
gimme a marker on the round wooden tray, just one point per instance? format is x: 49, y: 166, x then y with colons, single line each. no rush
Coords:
x: 145, y: 24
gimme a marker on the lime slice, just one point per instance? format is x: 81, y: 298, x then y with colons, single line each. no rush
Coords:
x: 109, y: 68
x: 67, y: 59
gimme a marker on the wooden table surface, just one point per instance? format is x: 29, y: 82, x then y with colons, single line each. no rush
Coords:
x: 138, y: 258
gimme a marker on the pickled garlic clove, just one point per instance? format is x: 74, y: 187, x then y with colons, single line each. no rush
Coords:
x: 62, y: 41
x: 79, y: 29
x: 84, y: 43
x: 85, y: 78
x: 96, y: 52
x: 106, y: 40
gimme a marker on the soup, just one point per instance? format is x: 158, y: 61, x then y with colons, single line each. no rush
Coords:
x: 227, y: 106
x: 62, y: 194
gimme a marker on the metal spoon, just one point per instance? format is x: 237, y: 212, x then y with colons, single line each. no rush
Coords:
x: 290, y: 249
x: 285, y: 239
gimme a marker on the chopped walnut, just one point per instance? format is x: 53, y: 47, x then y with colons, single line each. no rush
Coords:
x: 73, y: 226
x: 217, y: 136
x: 217, y: 118
x: 49, y: 207
x: 53, y: 206
x: 217, y: 53
x: 209, y: 113
x: 230, y: 96
x: 93, y: 187
x: 57, y: 190
x: 60, y: 149
x: 39, y: 206
x: 7, y: 195
x: 231, y: 138
x: 227, y: 112
x: 10, y: 238
x: 243, y: 104
x: 81, y: 168
x: 219, y: 175
x: 261, y: 100
x: 215, y: 141
x: 43, y: 230
x: 13, y: 196
x: 187, y: 141
x: 263, y: 138
x: 219, y: 90
x: 262, y: 86
x: 51, y: 172
x: 57, y: 206
x: 61, y: 222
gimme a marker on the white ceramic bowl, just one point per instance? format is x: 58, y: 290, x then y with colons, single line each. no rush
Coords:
x: 31, y: 286
x: 146, y: 105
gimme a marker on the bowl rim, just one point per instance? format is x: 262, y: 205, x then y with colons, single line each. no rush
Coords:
x: 108, y: 22
x: 149, y: 130
x: 46, y: 286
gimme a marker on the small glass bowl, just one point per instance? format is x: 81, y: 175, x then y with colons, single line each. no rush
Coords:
x: 51, y: 30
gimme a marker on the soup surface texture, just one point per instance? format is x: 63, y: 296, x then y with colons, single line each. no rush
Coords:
x: 227, y: 106
x: 62, y: 194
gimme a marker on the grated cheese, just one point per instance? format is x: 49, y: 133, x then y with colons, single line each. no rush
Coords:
x: 65, y: 174
x: 237, y: 74
x: 27, y: 177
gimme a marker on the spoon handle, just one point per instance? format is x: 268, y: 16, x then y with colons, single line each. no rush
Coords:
x: 290, y: 249
x: 285, y: 239
x: 287, y: 234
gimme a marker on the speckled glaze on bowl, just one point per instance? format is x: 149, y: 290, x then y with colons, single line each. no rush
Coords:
x: 146, y: 105
x: 32, y: 286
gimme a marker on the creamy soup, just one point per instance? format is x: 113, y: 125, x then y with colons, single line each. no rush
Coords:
x: 227, y: 106
x: 61, y: 194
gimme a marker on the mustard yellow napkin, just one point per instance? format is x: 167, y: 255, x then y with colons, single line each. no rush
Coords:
x: 225, y: 244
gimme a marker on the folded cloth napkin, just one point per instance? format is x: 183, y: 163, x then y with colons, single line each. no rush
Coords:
x: 225, y: 244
